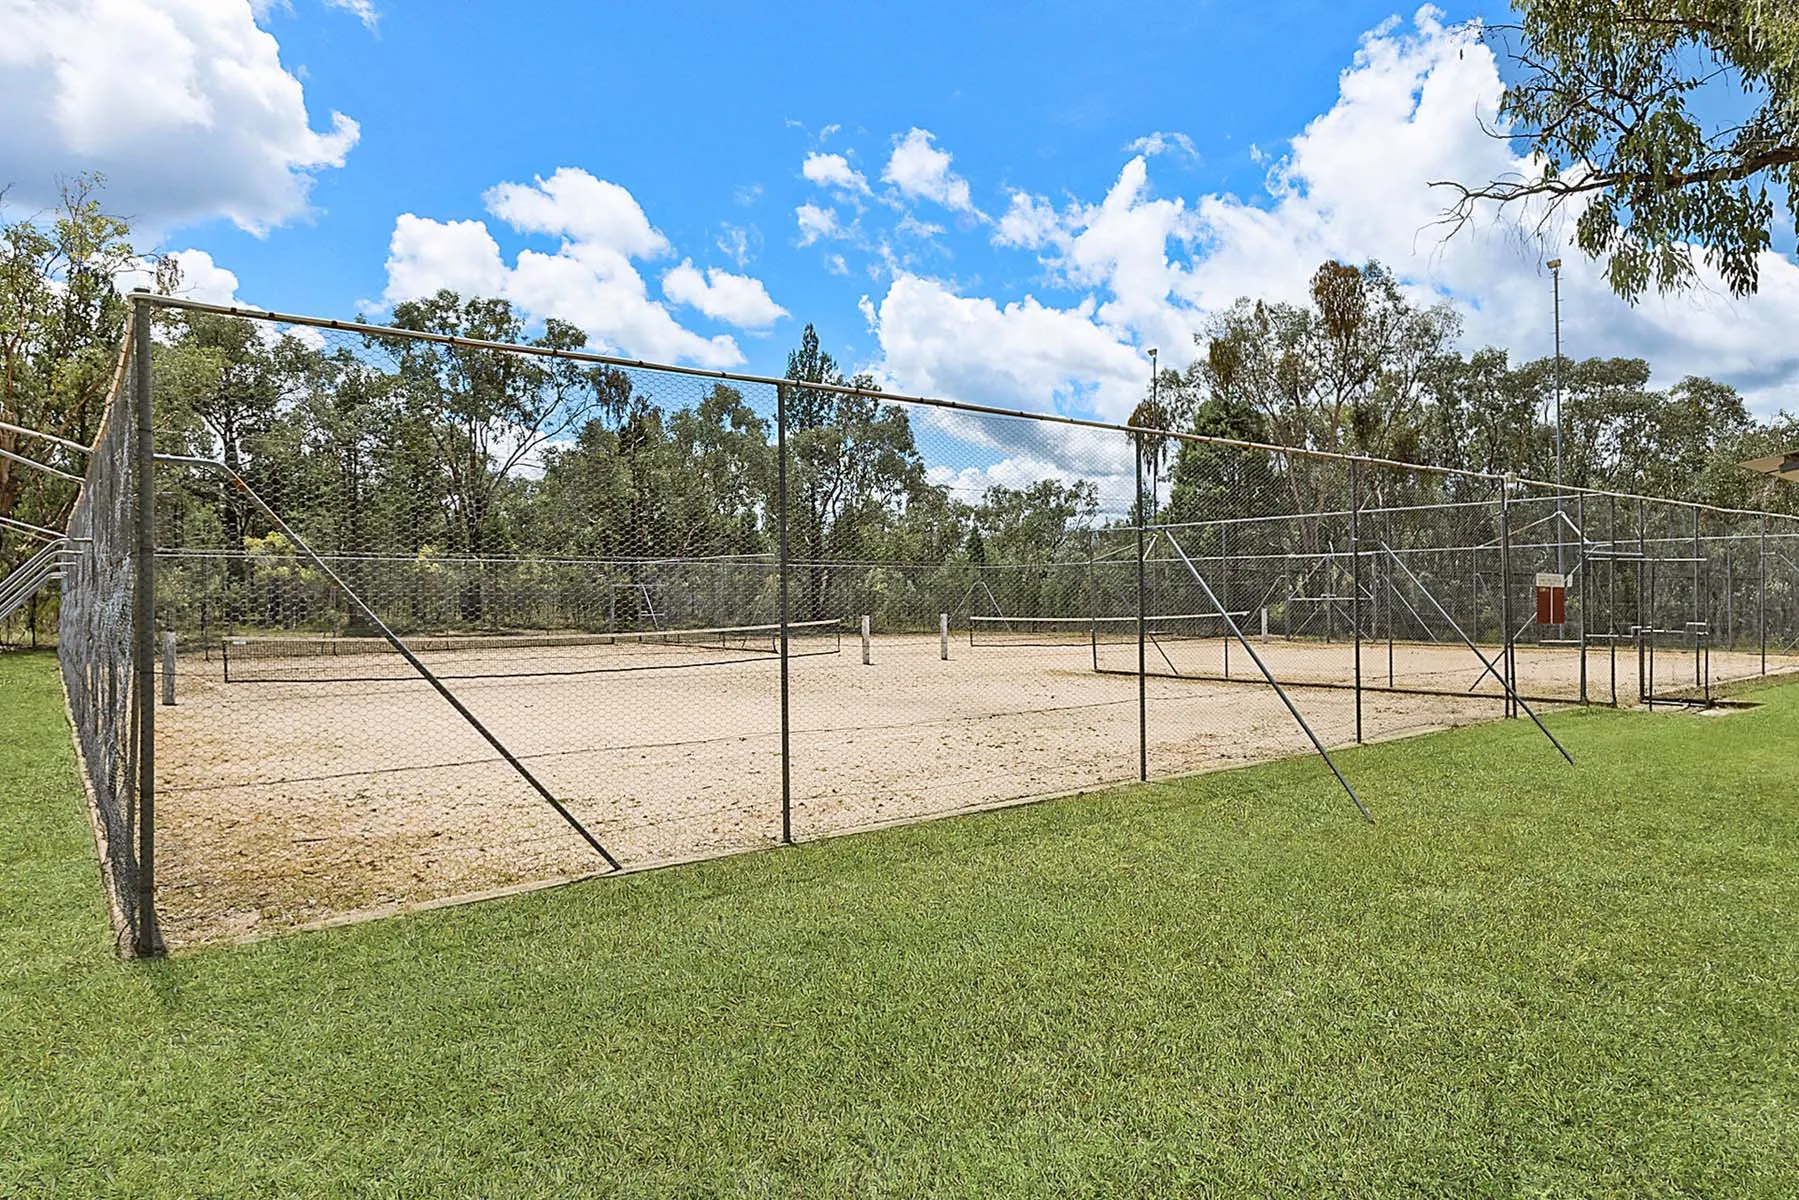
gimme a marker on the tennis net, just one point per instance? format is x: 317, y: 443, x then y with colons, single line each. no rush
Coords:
x: 335, y: 658
x: 1082, y: 631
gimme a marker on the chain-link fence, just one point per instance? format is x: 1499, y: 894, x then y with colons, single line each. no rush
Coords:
x: 103, y: 619
x: 437, y: 617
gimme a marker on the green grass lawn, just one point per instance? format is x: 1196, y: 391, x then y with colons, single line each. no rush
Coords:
x: 1527, y: 980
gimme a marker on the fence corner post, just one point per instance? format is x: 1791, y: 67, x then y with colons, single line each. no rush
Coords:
x: 146, y: 938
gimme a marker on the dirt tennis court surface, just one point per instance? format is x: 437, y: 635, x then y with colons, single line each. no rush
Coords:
x: 333, y: 792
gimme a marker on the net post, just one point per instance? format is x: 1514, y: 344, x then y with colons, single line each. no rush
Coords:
x: 783, y: 572
x: 1611, y: 591
x: 1642, y: 594
x: 147, y: 939
x: 1386, y: 599
x: 1355, y: 583
x: 168, y: 668
x: 1092, y: 597
x: 943, y: 636
x: 866, y: 659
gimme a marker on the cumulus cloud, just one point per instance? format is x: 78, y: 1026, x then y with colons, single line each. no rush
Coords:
x: 921, y: 171
x: 833, y: 170
x: 203, y: 279
x: 183, y: 104
x: 590, y: 281
x: 734, y: 299
x: 1024, y: 354
x: 1029, y: 223
x: 424, y: 256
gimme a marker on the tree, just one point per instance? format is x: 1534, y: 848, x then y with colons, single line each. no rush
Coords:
x: 487, y: 412
x: 61, y: 318
x: 1614, y: 106
x: 851, y: 458
x: 1034, y: 524
x: 724, y: 474
x: 219, y: 381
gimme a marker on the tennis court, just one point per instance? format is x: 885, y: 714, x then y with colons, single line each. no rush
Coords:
x: 326, y: 778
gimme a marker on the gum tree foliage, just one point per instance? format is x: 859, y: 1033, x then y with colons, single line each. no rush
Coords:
x: 61, y: 317
x: 1670, y: 128
x: 487, y: 412
x: 852, y: 459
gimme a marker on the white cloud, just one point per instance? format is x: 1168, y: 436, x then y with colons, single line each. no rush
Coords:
x: 590, y: 281
x: 734, y: 299
x: 424, y: 256
x: 1029, y: 223
x: 833, y: 170
x: 203, y: 279
x: 362, y: 10
x: 921, y: 171
x: 183, y: 104
x: 737, y: 243
x: 911, y: 226
x: 1164, y: 143
x: 817, y: 223
x: 573, y: 203
x: 1024, y: 354
x: 200, y: 278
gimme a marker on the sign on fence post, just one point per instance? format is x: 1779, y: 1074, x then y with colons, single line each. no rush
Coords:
x: 1552, y: 598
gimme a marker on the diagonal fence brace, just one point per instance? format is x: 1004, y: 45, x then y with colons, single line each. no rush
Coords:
x: 1466, y: 640
x: 393, y: 639
x: 1231, y: 623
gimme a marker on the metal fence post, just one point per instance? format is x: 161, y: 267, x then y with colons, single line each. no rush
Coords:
x: 1142, y: 640
x: 1507, y: 646
x: 1355, y: 583
x: 781, y: 568
x: 1761, y: 618
x: 1699, y: 618
x: 1224, y: 586
x: 143, y: 617
x: 1580, y: 564
x: 1611, y: 591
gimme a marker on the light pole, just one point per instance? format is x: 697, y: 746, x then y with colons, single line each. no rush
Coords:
x: 1555, y: 272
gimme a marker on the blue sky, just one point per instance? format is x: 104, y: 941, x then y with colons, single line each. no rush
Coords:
x: 999, y: 204
x: 706, y: 113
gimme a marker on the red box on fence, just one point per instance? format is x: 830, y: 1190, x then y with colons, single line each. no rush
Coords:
x: 1552, y: 599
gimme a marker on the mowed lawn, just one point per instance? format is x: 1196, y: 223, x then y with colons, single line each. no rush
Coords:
x: 1526, y: 980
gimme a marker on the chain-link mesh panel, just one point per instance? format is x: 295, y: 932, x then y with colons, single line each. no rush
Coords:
x: 974, y: 606
x: 96, y: 644
x: 579, y: 567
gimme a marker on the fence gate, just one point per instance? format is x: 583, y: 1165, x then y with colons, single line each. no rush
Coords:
x: 1674, y: 665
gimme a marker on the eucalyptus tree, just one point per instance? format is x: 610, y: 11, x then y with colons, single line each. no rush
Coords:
x: 1667, y: 129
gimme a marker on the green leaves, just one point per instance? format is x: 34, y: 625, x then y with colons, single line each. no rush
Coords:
x: 1608, y: 107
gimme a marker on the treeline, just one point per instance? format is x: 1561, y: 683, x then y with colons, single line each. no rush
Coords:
x: 421, y: 451
x: 1361, y: 370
